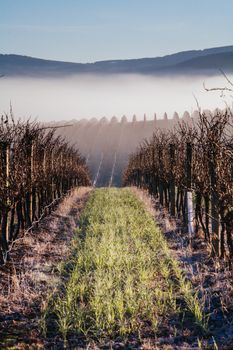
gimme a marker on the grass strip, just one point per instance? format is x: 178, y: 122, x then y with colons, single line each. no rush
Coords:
x: 123, y: 278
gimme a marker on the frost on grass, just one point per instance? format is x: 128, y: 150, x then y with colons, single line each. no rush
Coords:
x: 123, y: 280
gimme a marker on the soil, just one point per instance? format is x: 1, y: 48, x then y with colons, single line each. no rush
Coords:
x: 32, y: 273
x: 211, y: 278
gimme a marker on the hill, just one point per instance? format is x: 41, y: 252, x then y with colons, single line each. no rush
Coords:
x: 206, y: 61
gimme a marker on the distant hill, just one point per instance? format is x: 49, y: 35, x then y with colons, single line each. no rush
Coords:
x: 207, y: 61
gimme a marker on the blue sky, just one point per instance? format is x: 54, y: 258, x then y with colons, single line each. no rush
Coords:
x: 91, y: 30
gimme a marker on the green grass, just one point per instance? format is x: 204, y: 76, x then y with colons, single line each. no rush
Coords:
x: 122, y: 276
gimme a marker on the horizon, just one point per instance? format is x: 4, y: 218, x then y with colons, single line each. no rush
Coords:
x: 117, y: 59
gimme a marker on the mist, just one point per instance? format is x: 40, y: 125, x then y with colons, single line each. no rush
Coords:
x: 88, y: 96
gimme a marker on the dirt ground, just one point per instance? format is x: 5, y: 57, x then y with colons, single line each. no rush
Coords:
x: 32, y: 273
x: 210, y: 277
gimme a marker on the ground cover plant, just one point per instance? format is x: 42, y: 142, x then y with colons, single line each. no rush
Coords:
x: 122, y: 279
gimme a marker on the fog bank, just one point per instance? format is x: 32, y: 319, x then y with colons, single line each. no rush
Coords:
x: 97, y: 96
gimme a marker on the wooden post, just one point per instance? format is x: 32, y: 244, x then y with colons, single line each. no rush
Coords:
x: 61, y: 177
x: 172, y: 181
x: 31, y: 180
x: 28, y: 205
x: 45, y: 189
x: 52, y: 185
x: 161, y: 190
x: 4, y: 222
x: 154, y: 177
x: 7, y: 188
x: 20, y: 221
x: 214, y: 204
x: 189, y: 197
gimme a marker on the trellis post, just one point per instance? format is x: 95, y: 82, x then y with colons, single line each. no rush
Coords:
x: 188, y: 194
x: 172, y: 180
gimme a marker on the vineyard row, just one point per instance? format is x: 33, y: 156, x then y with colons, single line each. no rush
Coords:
x: 190, y: 171
x: 36, y: 169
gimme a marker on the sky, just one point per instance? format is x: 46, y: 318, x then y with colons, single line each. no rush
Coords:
x: 93, y: 30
